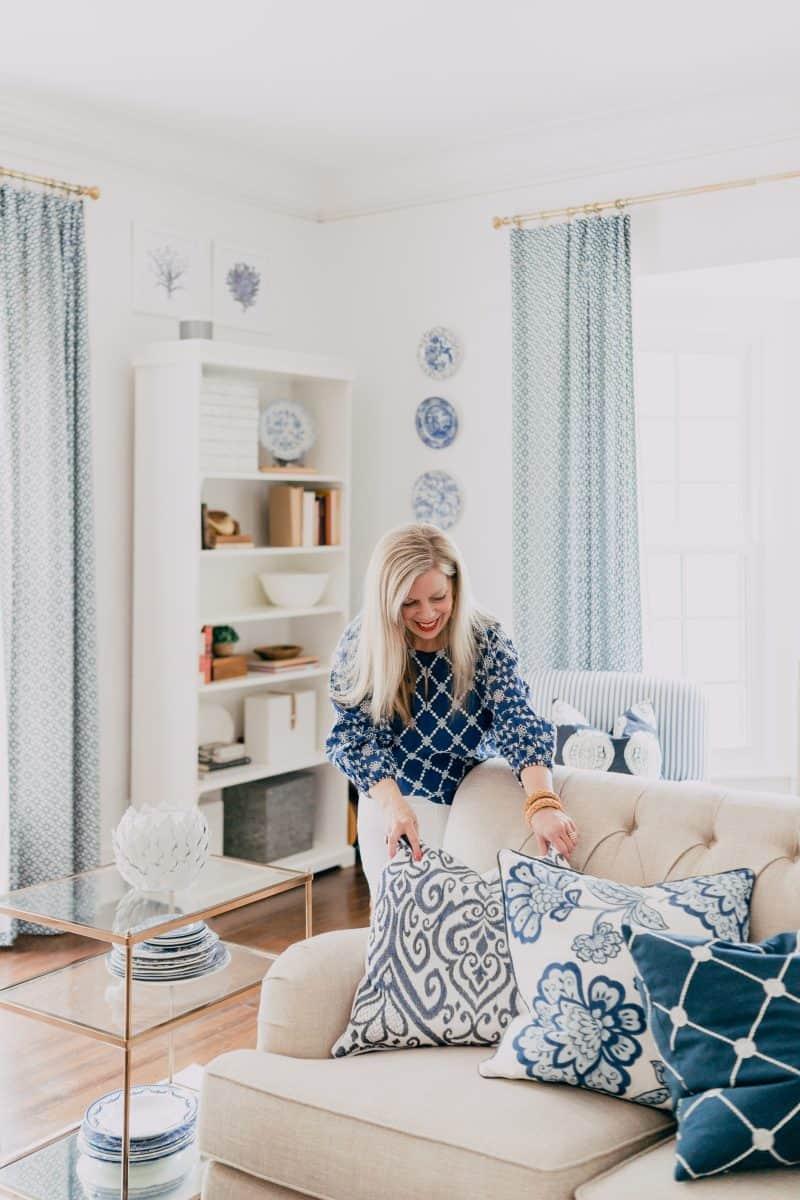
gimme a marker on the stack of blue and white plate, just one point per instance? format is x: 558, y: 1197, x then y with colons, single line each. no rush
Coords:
x: 185, y: 953
x: 163, y: 1119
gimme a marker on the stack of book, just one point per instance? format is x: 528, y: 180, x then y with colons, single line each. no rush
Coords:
x: 274, y: 666
x: 218, y: 756
x: 228, y: 425
x: 303, y: 517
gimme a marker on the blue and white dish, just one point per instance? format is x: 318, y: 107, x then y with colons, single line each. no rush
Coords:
x: 287, y: 430
x: 157, y: 1111
x: 187, y: 953
x: 436, y: 498
x: 436, y: 422
x: 102, y: 1180
x: 439, y: 353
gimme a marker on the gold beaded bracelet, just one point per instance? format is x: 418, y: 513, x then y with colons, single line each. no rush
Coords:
x: 542, y: 799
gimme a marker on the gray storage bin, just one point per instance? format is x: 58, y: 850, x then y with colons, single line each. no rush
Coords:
x: 270, y: 818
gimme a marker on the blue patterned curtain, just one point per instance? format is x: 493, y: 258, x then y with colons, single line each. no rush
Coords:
x: 47, y: 589
x: 576, y: 549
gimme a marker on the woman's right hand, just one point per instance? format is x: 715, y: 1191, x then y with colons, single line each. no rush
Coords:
x: 401, y: 821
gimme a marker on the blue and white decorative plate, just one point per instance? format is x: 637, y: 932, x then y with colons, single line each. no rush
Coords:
x: 287, y: 430
x: 439, y: 353
x: 158, y: 1111
x: 436, y: 498
x: 436, y: 422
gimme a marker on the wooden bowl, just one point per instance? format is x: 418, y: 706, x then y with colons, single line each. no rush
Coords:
x: 271, y: 653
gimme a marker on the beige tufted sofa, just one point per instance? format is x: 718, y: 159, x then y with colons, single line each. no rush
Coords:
x: 286, y: 1119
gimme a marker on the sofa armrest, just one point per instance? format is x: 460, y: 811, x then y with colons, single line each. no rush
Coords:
x: 307, y: 994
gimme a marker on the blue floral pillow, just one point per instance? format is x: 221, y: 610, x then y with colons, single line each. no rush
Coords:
x: 584, y: 1021
x: 438, y: 971
x: 733, y: 1067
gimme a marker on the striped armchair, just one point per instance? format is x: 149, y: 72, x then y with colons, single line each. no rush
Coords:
x: 680, y: 708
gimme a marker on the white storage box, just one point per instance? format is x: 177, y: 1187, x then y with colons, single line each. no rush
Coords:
x: 280, y: 728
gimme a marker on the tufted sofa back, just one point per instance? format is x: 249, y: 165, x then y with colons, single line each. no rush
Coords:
x: 645, y: 831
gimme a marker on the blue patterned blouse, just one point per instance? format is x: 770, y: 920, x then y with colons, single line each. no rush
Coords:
x: 432, y: 755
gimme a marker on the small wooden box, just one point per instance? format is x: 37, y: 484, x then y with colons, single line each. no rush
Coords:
x: 228, y: 667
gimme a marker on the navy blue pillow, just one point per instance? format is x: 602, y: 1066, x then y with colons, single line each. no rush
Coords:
x: 726, y: 1019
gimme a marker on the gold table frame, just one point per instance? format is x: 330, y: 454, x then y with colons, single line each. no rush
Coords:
x: 129, y: 1038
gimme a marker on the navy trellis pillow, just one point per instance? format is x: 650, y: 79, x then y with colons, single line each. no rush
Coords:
x: 437, y: 971
x: 726, y: 1018
x: 583, y: 1020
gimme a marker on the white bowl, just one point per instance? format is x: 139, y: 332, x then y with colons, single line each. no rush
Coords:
x: 293, y: 589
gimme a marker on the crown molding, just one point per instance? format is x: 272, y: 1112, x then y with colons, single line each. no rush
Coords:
x: 568, y: 152
x: 73, y: 134
x: 557, y: 154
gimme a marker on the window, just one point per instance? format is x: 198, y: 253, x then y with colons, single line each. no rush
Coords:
x: 697, y: 474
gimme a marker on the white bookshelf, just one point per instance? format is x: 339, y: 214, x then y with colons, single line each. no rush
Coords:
x: 178, y: 586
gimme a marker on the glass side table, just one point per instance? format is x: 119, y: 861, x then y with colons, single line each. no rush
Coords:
x: 86, y: 997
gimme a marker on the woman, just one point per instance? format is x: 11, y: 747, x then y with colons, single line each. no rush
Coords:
x: 425, y: 685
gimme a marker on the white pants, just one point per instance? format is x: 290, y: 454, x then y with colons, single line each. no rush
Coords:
x: 432, y: 820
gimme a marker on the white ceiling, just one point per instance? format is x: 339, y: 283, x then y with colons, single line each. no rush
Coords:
x: 338, y: 94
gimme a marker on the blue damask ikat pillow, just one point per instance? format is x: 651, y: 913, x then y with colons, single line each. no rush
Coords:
x: 438, y: 971
x: 726, y: 1019
x: 583, y: 1021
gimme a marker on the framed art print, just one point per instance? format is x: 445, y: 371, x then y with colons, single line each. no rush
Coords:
x: 170, y: 272
x: 239, y: 287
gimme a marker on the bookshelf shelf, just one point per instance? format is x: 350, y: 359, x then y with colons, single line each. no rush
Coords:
x: 174, y: 577
x: 265, y: 613
x: 268, y: 551
x: 233, y: 775
x: 257, y: 679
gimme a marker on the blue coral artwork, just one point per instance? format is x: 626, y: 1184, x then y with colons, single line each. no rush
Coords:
x: 436, y: 422
x: 170, y: 272
x: 239, y: 287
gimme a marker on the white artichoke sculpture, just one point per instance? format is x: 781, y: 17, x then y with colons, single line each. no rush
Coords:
x: 160, y: 849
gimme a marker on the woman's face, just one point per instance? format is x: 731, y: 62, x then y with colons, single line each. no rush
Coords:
x: 427, y: 607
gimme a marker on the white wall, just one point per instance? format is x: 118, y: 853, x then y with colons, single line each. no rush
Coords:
x: 392, y: 275
x: 365, y: 290
x: 115, y: 334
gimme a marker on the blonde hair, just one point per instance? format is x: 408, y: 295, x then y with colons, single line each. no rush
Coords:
x: 380, y: 674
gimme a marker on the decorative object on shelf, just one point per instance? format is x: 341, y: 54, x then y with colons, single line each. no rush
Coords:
x: 137, y: 910
x: 160, y: 849
x: 220, y: 529
x: 436, y: 498
x: 278, y: 650
x: 287, y: 431
x: 279, y: 665
x: 280, y: 728
x: 215, y: 724
x: 219, y: 756
x: 163, y: 1126
x: 170, y: 272
x: 205, y: 655
x: 228, y: 417
x: 239, y: 292
x: 224, y: 640
x: 439, y: 353
x: 436, y: 422
x: 294, y: 589
x: 228, y: 667
x: 195, y: 327
x: 270, y: 819
x: 186, y: 953
x: 299, y: 516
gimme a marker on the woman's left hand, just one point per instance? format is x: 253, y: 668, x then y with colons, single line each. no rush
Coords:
x: 554, y: 828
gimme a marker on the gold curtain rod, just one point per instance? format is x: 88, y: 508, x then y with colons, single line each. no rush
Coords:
x: 599, y: 206
x: 77, y: 188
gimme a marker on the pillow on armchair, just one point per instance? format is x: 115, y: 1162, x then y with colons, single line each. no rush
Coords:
x: 632, y: 747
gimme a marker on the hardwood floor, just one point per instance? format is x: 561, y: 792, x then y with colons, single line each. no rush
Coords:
x: 48, y: 1076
